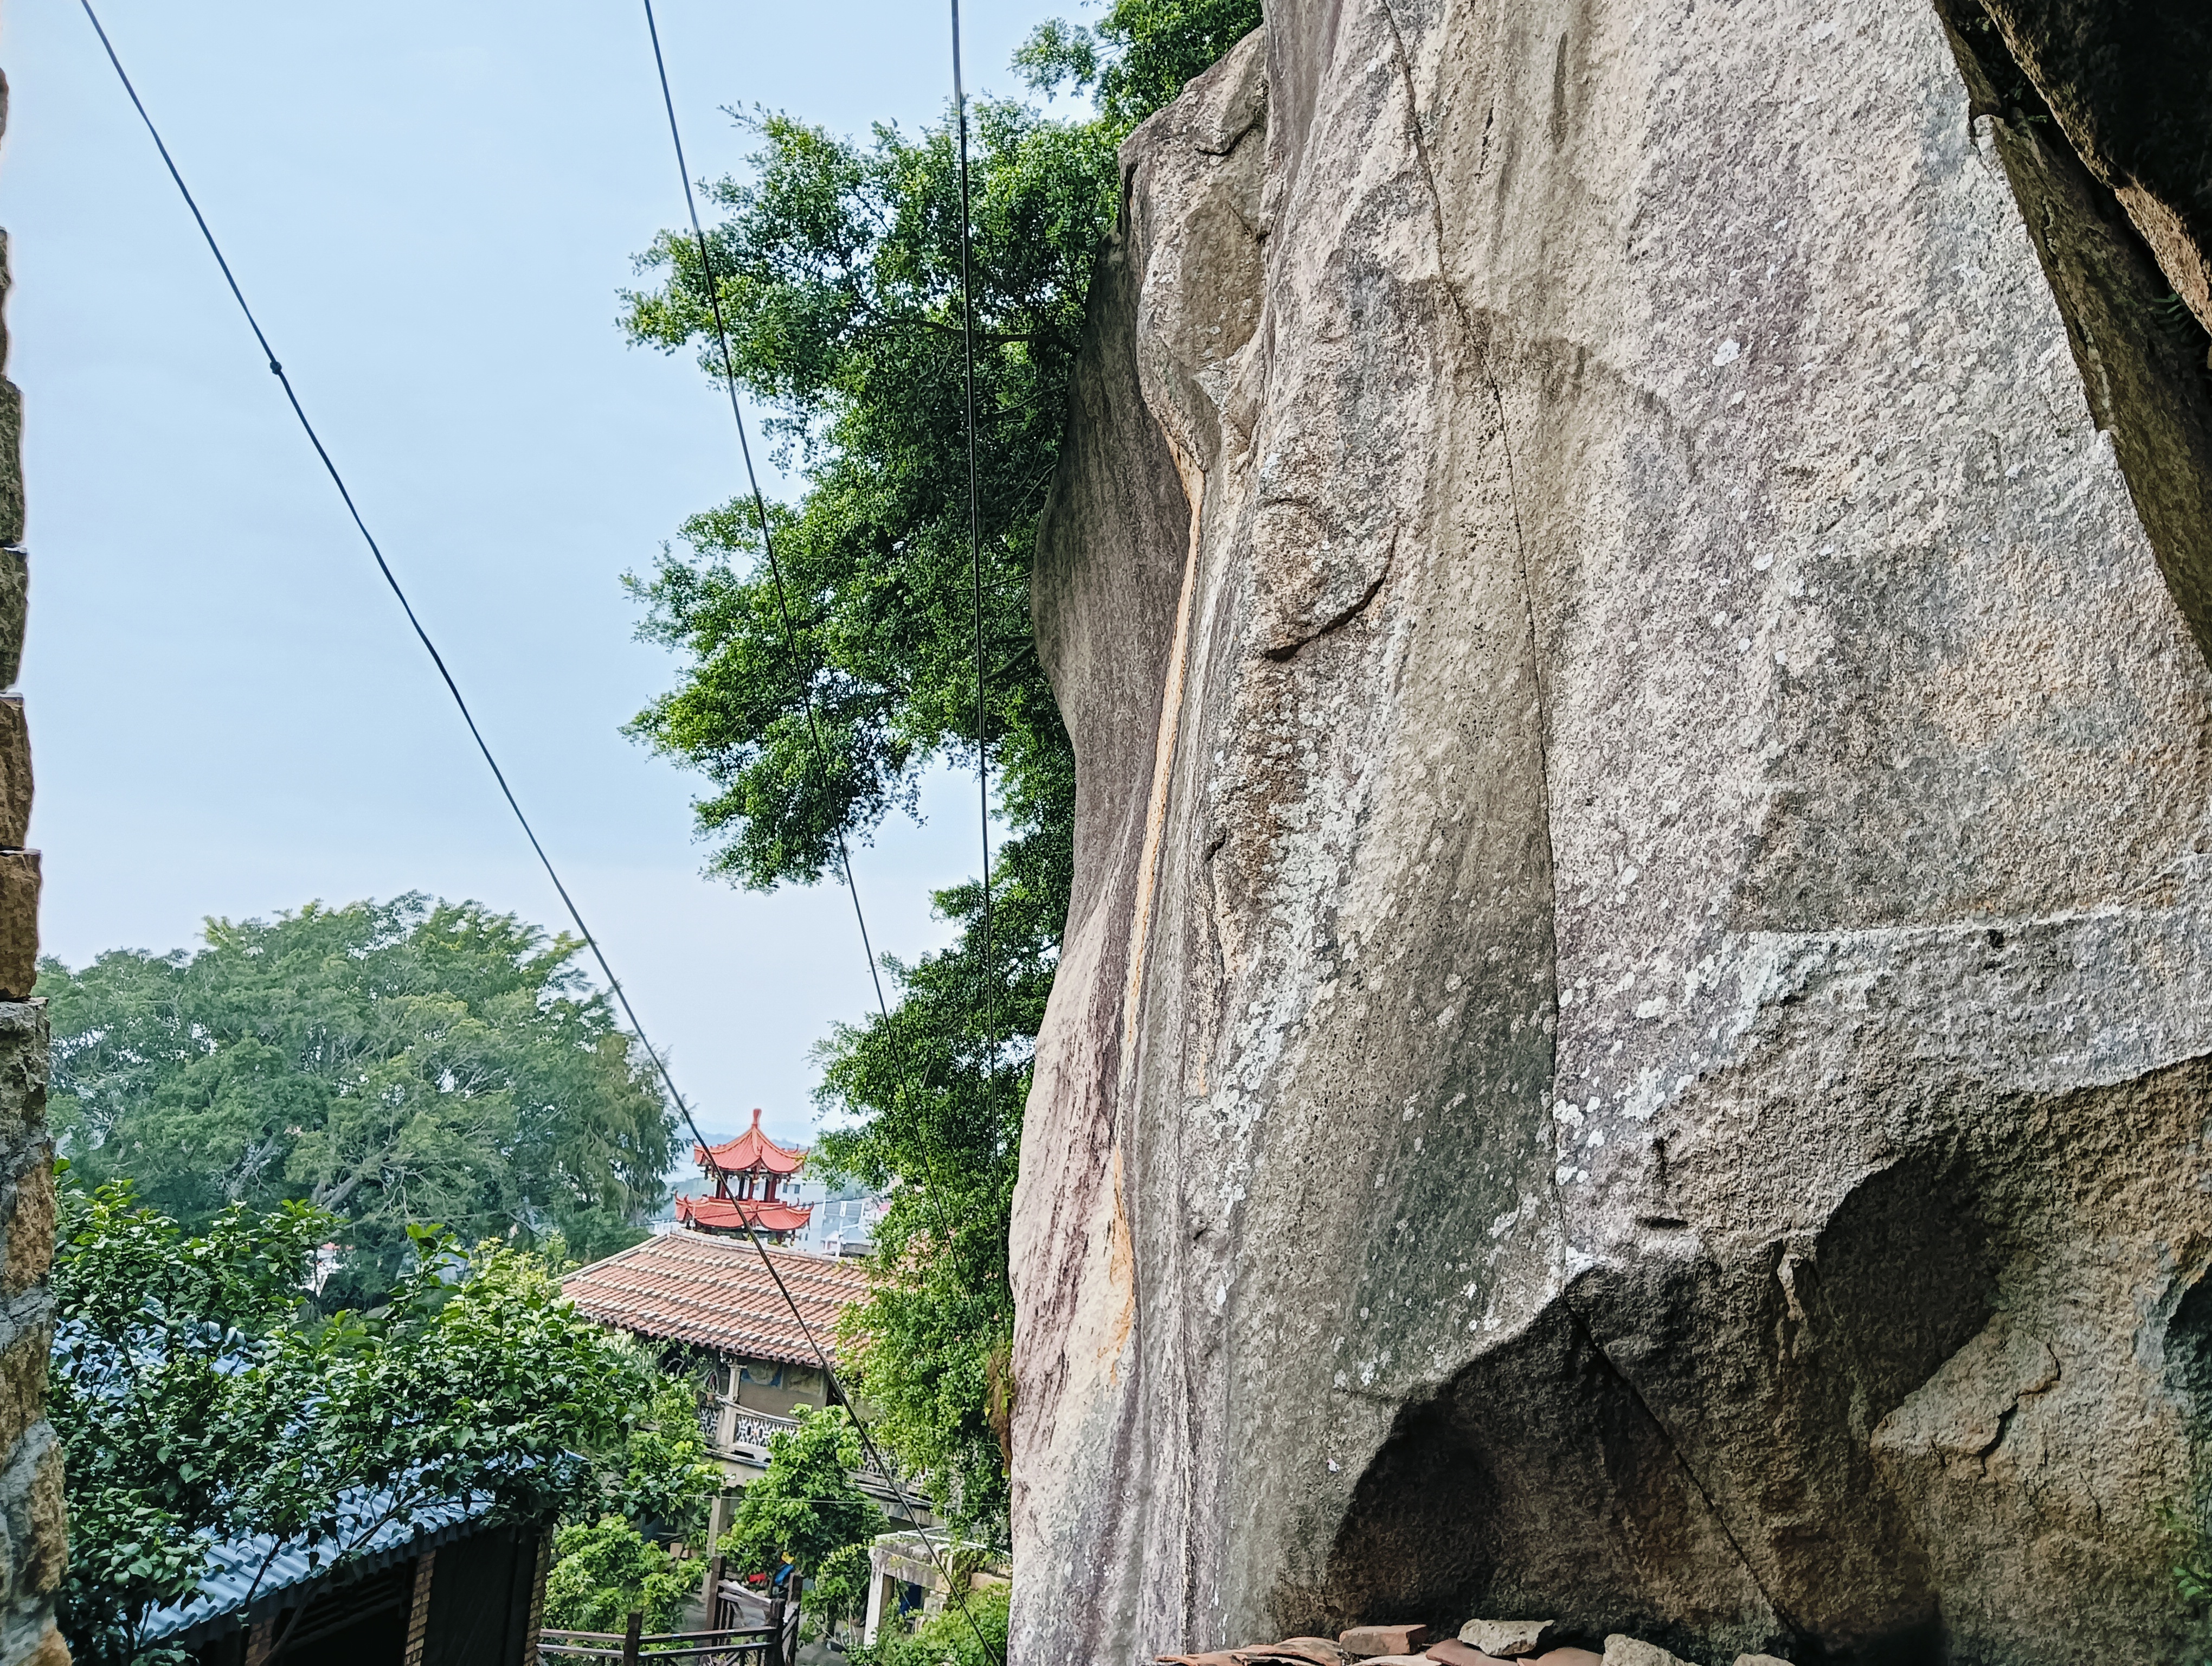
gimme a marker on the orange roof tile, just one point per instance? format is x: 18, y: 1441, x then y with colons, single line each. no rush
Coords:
x: 714, y: 1294
x: 751, y: 1150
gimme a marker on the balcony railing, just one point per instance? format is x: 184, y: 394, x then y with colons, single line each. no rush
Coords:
x: 754, y: 1647
x: 731, y: 1429
x: 751, y: 1428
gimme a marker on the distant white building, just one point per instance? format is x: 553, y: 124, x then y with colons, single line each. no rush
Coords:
x: 843, y: 1221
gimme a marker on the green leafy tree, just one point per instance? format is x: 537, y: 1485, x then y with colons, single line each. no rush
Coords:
x: 1140, y: 54
x: 935, y: 1093
x: 669, y: 1478
x: 389, y: 1062
x: 154, y: 1333
x: 805, y: 1507
x: 838, y: 1593
x: 199, y: 1397
x: 838, y: 269
x: 950, y: 1638
x: 606, y: 1570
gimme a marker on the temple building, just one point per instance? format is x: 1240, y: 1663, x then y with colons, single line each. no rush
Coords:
x: 710, y: 1305
x: 746, y: 1171
x: 746, y: 1325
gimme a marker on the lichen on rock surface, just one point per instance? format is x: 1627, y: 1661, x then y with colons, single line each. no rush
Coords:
x: 1634, y: 1037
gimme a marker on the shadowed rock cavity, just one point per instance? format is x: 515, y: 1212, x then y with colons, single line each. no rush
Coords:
x: 2126, y: 83
x: 1632, y: 1039
x: 2118, y: 228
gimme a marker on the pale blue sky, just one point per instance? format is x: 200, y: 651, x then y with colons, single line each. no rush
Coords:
x: 431, y: 207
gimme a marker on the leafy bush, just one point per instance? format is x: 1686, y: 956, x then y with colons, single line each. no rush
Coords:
x: 838, y: 1593
x: 946, y: 1640
x: 805, y: 1507
x: 199, y: 1397
x: 604, y: 1572
x: 668, y: 1478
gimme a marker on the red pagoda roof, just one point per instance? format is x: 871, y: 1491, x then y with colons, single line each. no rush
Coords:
x: 731, y: 1214
x: 751, y: 1150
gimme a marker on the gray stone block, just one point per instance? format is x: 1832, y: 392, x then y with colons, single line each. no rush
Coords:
x: 14, y: 601
x: 1508, y: 1639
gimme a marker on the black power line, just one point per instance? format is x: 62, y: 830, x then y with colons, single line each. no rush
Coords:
x: 752, y: 482
x: 790, y: 647
x: 836, y: 1385
x: 382, y: 566
x: 974, y: 510
x: 712, y: 285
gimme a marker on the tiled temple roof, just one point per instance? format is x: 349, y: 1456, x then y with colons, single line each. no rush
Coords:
x: 728, y: 1214
x: 751, y: 1150
x: 713, y: 1292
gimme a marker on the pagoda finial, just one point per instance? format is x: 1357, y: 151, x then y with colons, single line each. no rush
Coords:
x: 755, y: 1115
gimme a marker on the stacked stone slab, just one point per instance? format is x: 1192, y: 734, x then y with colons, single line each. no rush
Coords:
x: 1635, y: 1037
x: 33, y: 1524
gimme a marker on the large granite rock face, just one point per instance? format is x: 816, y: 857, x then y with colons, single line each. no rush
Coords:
x: 1634, y: 1038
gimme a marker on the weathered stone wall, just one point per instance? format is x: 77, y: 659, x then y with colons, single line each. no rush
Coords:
x: 33, y: 1524
x: 1635, y: 1041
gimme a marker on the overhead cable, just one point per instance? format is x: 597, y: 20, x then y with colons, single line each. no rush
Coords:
x: 499, y: 775
x: 975, y: 508
x: 383, y: 567
x: 712, y: 287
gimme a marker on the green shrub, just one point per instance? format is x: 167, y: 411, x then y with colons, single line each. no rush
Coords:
x: 602, y: 1574
x: 804, y: 1506
x: 946, y: 1640
x: 838, y: 1593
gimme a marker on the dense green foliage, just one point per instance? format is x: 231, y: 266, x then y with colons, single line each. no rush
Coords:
x: 605, y: 1571
x: 199, y: 1397
x: 838, y: 269
x: 2189, y: 1538
x: 839, y: 276
x: 668, y: 1480
x: 1140, y: 54
x: 950, y: 1638
x: 838, y: 1594
x: 939, y: 1088
x: 390, y: 1063
x: 804, y: 1508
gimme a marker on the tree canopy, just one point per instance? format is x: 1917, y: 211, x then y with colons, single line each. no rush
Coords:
x: 838, y: 271
x: 805, y: 1507
x: 200, y: 1398
x: 1139, y: 56
x: 836, y: 265
x: 934, y: 1099
x: 390, y: 1063
x: 605, y: 1571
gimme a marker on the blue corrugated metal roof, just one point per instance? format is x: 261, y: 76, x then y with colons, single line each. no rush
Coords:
x: 245, y: 1582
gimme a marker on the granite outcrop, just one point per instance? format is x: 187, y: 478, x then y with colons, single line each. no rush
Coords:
x: 1634, y: 1043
